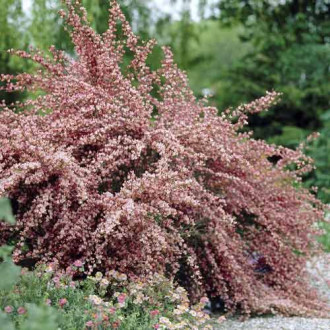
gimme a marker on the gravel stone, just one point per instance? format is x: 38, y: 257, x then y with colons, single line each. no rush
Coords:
x: 277, y: 323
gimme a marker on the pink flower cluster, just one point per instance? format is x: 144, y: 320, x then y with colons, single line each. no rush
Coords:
x: 20, y: 310
x: 102, y: 170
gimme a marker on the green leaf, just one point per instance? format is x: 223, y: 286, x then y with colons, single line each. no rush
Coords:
x: 5, y: 251
x: 40, y: 318
x: 6, y: 213
x: 5, y: 322
x: 9, y: 274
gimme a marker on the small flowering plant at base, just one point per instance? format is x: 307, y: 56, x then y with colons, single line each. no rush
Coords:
x: 152, y: 303
x: 166, y: 305
x: 116, y: 166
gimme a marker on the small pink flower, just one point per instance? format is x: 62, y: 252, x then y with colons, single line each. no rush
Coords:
x: 154, y: 313
x: 204, y: 300
x: 21, y: 310
x: 89, y: 324
x: 156, y: 326
x: 78, y: 263
x: 72, y: 284
x: 9, y: 309
x: 62, y: 302
x: 121, y: 298
x: 116, y: 324
x: 56, y: 279
x: 112, y: 310
x: 69, y: 271
x: 48, y: 302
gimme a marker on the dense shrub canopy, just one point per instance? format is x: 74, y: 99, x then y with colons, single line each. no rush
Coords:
x: 123, y: 168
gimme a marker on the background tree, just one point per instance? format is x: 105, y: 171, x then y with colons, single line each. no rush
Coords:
x: 45, y: 14
x: 12, y: 22
x: 290, y: 54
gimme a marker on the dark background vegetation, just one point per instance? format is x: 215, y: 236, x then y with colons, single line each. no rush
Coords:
x: 236, y: 52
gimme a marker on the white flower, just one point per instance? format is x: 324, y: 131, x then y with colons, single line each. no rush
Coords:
x: 139, y: 298
x: 104, y: 282
x: 176, y: 296
x: 183, y: 308
x: 165, y: 321
x: 178, y: 311
x: 180, y: 290
x: 122, y: 277
x: 95, y: 299
x: 193, y: 313
x: 98, y: 276
x: 180, y: 325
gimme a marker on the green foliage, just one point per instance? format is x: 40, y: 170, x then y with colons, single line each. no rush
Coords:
x: 33, y: 289
x: 290, y: 54
x: 12, y: 24
x: 211, y: 50
x: 6, y: 213
x: 325, y: 238
x: 9, y: 274
x: 291, y: 136
x: 6, y: 322
x: 40, y: 318
x: 319, y: 150
x: 45, y: 14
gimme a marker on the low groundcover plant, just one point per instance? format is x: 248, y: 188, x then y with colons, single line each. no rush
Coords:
x: 100, y: 302
x: 120, y: 167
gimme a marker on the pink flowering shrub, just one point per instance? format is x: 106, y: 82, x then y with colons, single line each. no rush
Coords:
x: 120, y: 167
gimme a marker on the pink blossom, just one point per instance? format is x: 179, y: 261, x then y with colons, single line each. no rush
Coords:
x: 62, y: 302
x: 9, y: 309
x: 21, y: 310
x: 156, y: 326
x: 70, y: 271
x: 154, y: 312
x: 48, y: 302
x: 78, y: 263
x: 115, y: 324
x: 121, y: 298
x: 89, y: 324
x: 112, y: 310
x: 204, y: 300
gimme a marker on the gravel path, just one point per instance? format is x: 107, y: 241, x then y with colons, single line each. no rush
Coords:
x: 319, y: 270
x: 277, y: 323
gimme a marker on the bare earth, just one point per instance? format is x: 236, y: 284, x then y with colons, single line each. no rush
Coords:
x: 319, y: 270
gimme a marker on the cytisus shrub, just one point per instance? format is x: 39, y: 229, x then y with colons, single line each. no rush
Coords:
x: 121, y: 167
